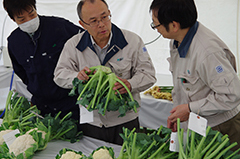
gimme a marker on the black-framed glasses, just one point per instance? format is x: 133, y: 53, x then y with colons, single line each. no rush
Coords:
x: 154, y: 26
x: 96, y: 22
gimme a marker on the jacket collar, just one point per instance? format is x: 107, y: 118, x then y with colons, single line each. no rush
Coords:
x: 183, y: 48
x: 118, y: 39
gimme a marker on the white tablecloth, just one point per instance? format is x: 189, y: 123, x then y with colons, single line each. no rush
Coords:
x: 5, y: 76
x: 5, y: 80
x: 85, y: 145
x: 154, y: 112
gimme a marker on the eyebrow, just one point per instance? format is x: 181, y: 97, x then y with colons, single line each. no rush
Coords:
x: 95, y: 17
x: 19, y: 17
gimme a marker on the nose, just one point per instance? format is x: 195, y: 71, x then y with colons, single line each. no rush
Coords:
x: 100, y: 23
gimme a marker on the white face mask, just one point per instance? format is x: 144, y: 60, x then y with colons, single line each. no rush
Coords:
x: 30, y: 26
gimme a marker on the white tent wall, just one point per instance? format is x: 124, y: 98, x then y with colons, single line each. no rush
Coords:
x: 221, y: 16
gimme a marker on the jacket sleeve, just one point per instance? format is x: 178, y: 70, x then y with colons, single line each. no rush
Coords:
x: 67, y: 66
x: 143, y: 72
x: 219, y: 75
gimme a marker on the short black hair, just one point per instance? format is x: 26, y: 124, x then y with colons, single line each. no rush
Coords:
x: 15, y: 7
x: 181, y: 11
x: 80, y: 4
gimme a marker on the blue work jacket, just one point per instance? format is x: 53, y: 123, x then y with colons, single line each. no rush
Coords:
x: 34, y: 60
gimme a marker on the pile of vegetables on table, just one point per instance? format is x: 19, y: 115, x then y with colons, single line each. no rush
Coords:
x: 97, y: 93
x: 155, y: 145
x: 160, y: 92
x: 34, y: 132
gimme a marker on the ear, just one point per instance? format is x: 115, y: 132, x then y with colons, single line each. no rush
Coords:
x: 82, y: 24
x: 176, y: 26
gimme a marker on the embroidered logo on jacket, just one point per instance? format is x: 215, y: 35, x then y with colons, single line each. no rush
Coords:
x: 144, y: 49
x: 219, y: 69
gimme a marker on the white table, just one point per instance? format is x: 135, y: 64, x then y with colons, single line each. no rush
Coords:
x: 154, y: 112
x: 5, y: 80
x: 86, y: 145
x: 5, y: 76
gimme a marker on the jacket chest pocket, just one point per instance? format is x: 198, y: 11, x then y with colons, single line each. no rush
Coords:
x: 192, y: 86
x: 28, y: 64
x: 51, y: 56
x: 122, y: 68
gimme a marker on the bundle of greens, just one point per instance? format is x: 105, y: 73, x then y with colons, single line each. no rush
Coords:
x: 18, y: 112
x: 21, y: 115
x: 141, y: 145
x: 97, y: 93
x: 61, y: 129
x: 214, y: 145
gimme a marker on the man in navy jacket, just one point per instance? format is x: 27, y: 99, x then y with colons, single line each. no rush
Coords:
x: 34, y: 48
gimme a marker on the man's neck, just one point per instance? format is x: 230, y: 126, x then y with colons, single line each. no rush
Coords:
x: 102, y: 43
x: 181, y: 35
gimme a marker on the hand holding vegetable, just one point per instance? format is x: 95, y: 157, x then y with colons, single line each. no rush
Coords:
x: 172, y: 126
x: 181, y: 111
x: 118, y: 86
x: 83, y: 74
x: 98, y: 94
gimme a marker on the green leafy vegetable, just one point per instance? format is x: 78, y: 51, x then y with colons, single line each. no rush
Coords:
x: 214, y: 145
x: 141, y: 145
x: 18, y: 111
x: 98, y: 93
x: 62, y: 129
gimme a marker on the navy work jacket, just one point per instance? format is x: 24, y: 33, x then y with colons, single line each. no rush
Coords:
x: 34, y: 60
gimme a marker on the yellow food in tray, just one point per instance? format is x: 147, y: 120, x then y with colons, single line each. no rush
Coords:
x: 160, y: 92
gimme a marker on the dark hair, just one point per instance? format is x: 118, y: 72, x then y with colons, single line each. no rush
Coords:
x: 181, y: 11
x: 81, y: 3
x: 15, y: 7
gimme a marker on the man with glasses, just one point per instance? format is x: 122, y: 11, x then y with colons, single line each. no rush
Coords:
x: 103, y: 43
x: 203, y: 68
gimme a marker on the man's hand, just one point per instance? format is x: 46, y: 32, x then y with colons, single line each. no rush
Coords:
x: 180, y: 111
x: 120, y: 87
x: 172, y: 126
x: 82, y: 75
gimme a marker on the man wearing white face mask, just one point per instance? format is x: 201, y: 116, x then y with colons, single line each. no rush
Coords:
x: 30, y: 26
x: 34, y: 48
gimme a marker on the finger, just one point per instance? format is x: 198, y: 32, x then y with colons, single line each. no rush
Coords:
x: 79, y: 76
x: 174, y: 120
x: 170, y: 117
x: 173, y: 110
x: 86, y: 69
x: 122, y: 90
x: 174, y: 127
x: 117, y: 86
x: 82, y: 75
x: 168, y: 124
